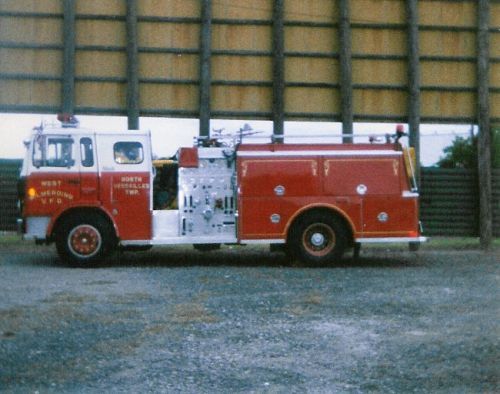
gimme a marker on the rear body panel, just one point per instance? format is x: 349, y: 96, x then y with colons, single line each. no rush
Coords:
x: 366, y: 184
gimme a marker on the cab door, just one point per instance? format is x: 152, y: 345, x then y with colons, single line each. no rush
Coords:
x: 54, y: 179
x: 125, y: 182
x: 89, y: 180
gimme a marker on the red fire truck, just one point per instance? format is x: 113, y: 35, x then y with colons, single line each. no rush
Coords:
x: 93, y: 192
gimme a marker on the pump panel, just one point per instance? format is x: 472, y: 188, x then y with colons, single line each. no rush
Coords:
x: 207, y: 201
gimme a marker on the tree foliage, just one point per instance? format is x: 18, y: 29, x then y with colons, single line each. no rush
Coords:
x: 462, y: 153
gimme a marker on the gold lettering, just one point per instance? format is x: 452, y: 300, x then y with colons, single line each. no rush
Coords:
x: 314, y: 165
x: 395, y: 167
x: 129, y: 185
x: 53, y: 183
x: 55, y: 193
x: 131, y: 179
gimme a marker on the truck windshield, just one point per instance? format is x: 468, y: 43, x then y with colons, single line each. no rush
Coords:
x: 53, y: 152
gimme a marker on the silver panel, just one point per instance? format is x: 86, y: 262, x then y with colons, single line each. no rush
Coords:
x: 327, y: 153
x: 165, y: 224
x: 262, y: 241
x: 207, y: 198
x: 183, y: 240
x: 36, y: 227
x: 391, y: 239
x: 408, y: 194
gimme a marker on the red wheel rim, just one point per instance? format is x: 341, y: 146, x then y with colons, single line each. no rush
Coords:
x: 84, y: 240
x: 318, y: 239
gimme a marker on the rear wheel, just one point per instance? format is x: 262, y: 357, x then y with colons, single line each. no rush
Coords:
x: 84, y: 240
x: 318, y: 239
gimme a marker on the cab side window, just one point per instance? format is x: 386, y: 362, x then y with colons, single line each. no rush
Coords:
x: 86, y: 152
x: 128, y: 152
x: 53, y: 152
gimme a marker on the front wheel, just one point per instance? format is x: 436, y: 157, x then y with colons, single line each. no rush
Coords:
x: 84, y: 240
x: 318, y: 239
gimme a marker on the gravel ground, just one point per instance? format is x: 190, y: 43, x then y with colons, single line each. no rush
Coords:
x: 243, y: 320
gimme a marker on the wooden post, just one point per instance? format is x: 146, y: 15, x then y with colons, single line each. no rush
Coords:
x: 345, y: 57
x: 278, y: 69
x: 205, y: 62
x: 414, y: 81
x: 483, y: 115
x: 68, y: 88
x: 132, y: 67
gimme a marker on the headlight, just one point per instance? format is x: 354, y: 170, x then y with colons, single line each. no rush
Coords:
x: 31, y: 192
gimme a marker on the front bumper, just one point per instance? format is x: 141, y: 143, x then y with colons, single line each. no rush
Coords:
x: 35, y: 227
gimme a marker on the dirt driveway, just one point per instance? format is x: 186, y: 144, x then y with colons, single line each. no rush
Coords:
x: 242, y: 320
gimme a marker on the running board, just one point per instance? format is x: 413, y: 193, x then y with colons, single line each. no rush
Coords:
x: 180, y: 241
x: 391, y: 240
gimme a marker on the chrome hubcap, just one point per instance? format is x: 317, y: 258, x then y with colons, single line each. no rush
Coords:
x: 84, y: 240
x: 317, y: 239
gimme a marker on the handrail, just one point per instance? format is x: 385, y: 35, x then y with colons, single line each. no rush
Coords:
x: 372, y: 138
x: 413, y: 174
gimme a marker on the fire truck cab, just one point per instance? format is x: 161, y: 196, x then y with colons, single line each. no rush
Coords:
x: 92, y: 192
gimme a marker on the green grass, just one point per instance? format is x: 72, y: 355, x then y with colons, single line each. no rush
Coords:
x: 9, y: 238
x: 438, y: 243
x: 446, y: 243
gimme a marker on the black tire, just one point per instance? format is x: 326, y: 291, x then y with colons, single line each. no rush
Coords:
x: 206, y: 247
x: 136, y: 248
x: 277, y: 248
x: 413, y: 246
x: 318, y: 239
x: 83, y: 240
